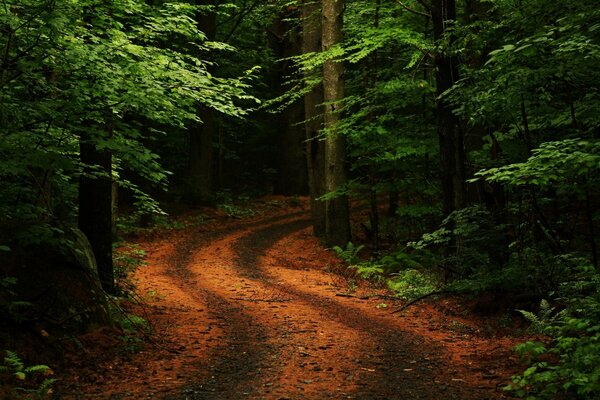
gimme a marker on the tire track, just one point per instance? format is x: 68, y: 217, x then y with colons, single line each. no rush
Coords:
x: 247, y: 327
x: 387, y: 373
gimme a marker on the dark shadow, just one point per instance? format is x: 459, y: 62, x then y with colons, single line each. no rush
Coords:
x: 397, y: 376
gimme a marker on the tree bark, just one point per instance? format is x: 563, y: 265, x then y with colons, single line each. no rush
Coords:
x: 200, y: 179
x: 200, y: 190
x: 313, y: 115
x: 451, y: 137
x: 337, y: 224
x: 373, y: 69
x: 286, y: 42
x: 96, y: 209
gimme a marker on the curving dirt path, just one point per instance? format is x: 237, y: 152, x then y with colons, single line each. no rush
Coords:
x: 247, y: 310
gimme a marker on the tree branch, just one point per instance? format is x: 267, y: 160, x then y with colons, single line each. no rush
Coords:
x: 418, y: 299
x: 412, y: 10
x: 242, y: 15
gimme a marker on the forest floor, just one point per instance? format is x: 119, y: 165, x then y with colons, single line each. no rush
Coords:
x: 253, y: 308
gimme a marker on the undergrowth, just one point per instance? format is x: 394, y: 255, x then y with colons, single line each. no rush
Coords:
x: 399, y: 272
x: 127, y: 258
x: 568, y: 365
x: 25, y: 382
x: 136, y: 330
x: 235, y: 206
x: 462, y: 257
x: 11, y: 307
x: 136, y: 224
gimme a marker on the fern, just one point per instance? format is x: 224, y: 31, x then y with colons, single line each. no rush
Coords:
x: 410, y: 284
x: 544, y: 318
x: 350, y: 254
x: 370, y: 271
x: 13, y: 362
x: 15, y: 366
x: 36, y: 368
x: 45, y: 387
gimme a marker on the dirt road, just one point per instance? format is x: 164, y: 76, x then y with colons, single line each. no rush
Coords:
x: 246, y: 309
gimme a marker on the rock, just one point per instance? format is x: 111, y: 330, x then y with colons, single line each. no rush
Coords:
x: 60, y: 281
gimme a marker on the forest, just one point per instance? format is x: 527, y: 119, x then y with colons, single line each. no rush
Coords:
x: 299, y: 199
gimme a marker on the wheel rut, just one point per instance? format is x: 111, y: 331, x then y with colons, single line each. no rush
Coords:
x: 246, y: 310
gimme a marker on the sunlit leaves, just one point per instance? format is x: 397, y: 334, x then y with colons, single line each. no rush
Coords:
x: 106, y: 69
x: 562, y: 162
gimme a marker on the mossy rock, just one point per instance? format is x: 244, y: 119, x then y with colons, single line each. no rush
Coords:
x: 60, y: 282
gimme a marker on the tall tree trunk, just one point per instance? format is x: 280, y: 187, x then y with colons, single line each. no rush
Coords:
x: 372, y: 70
x: 451, y: 137
x: 286, y: 42
x: 200, y: 190
x: 313, y: 115
x: 96, y: 208
x: 337, y: 223
x: 200, y: 179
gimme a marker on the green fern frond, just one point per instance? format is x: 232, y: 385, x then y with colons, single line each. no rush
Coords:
x: 350, y: 254
x: 546, y: 310
x: 45, y: 386
x: 13, y: 361
x: 36, y: 368
x: 543, y: 319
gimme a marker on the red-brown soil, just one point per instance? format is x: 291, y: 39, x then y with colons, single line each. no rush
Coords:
x: 249, y: 309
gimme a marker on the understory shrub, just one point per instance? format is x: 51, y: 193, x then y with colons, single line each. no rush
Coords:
x: 568, y: 366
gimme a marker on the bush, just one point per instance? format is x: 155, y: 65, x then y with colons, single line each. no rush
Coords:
x: 568, y: 366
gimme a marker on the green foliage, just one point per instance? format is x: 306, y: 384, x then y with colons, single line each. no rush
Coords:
x: 10, y: 306
x: 399, y: 271
x: 141, y: 223
x: 135, y: 328
x: 411, y: 283
x: 369, y: 270
x: 468, y: 239
x: 116, y: 75
x: 127, y: 259
x: 129, y: 323
x: 235, y: 206
x: 27, y: 376
x: 569, y: 365
x: 575, y: 372
x: 235, y: 211
x: 553, y: 164
x: 543, y: 319
x: 350, y: 254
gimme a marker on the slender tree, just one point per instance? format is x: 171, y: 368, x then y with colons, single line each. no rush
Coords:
x: 337, y: 224
x: 313, y: 112
x: 96, y: 207
x: 451, y: 137
x: 200, y: 180
x: 286, y: 42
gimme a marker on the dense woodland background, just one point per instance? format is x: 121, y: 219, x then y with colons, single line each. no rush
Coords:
x: 469, y: 129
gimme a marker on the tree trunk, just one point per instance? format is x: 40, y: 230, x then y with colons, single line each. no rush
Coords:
x: 313, y: 115
x: 371, y: 84
x: 337, y: 224
x: 96, y: 209
x: 451, y: 138
x: 200, y: 179
x: 286, y: 42
x: 200, y: 190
